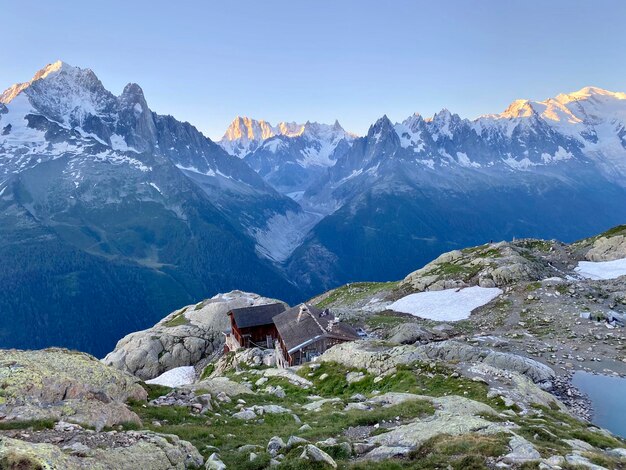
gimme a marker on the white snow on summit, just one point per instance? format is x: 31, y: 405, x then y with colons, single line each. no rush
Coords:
x: 245, y: 135
x: 409, y: 133
x: 594, y: 117
x: 65, y: 96
x: 81, y: 91
x: 322, y: 141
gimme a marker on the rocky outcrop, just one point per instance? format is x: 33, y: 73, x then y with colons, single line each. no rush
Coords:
x: 60, y: 384
x: 246, y: 358
x: 315, y: 454
x: 378, y: 358
x: 454, y: 416
x: 521, y: 451
x: 220, y: 385
x: 452, y: 351
x: 608, y: 249
x: 104, y: 451
x: 187, y: 337
x: 409, y: 333
x: 491, y: 265
x: 513, y: 387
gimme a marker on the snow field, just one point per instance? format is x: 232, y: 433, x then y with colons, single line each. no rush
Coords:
x: 446, y: 305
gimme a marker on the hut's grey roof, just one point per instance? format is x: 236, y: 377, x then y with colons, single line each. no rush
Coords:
x: 298, y: 330
x: 247, y: 317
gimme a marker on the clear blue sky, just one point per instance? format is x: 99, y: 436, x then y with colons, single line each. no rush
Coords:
x: 208, y: 61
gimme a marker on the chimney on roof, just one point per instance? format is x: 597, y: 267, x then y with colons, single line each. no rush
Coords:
x: 304, y: 310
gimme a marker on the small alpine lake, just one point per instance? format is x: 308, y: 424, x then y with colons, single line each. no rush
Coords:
x: 608, y: 397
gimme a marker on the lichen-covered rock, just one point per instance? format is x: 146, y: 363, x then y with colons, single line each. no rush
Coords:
x: 409, y: 333
x: 491, y: 265
x: 219, y: 385
x: 415, y: 434
x: 215, y: 463
x: 513, y: 387
x: 456, y: 351
x: 378, y: 358
x: 61, y: 384
x: 383, y: 452
x: 252, y: 357
x: 454, y: 416
x: 245, y: 415
x: 608, y: 249
x: 288, y: 375
x: 144, y: 450
x: 183, y: 338
x: 315, y: 454
x: 275, y: 445
x: 521, y: 451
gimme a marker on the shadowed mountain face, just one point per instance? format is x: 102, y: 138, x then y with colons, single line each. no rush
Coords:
x: 102, y: 232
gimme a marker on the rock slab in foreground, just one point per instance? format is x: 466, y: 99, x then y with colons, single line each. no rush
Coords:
x: 144, y: 450
x: 65, y: 385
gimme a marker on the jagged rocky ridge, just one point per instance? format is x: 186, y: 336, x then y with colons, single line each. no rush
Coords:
x: 290, y: 157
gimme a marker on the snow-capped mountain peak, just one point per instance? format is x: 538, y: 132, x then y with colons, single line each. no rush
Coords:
x: 517, y: 109
x: 244, y: 135
x: 380, y: 129
x: 289, y: 129
x: 329, y: 132
x: 247, y: 128
x: 589, y: 92
x: 565, y: 107
x: 65, y: 94
x: 443, y: 124
x: 17, y: 88
x: 55, y: 67
x: 410, y: 132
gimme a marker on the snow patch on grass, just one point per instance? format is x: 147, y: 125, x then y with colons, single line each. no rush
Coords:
x: 175, y: 377
x: 602, y: 269
x: 446, y: 305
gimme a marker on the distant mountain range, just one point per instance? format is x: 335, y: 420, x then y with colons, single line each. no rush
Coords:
x: 110, y: 215
x: 290, y: 156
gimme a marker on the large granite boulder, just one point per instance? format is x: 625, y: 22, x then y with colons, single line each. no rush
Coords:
x: 608, y: 249
x: 185, y: 337
x: 60, y: 384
